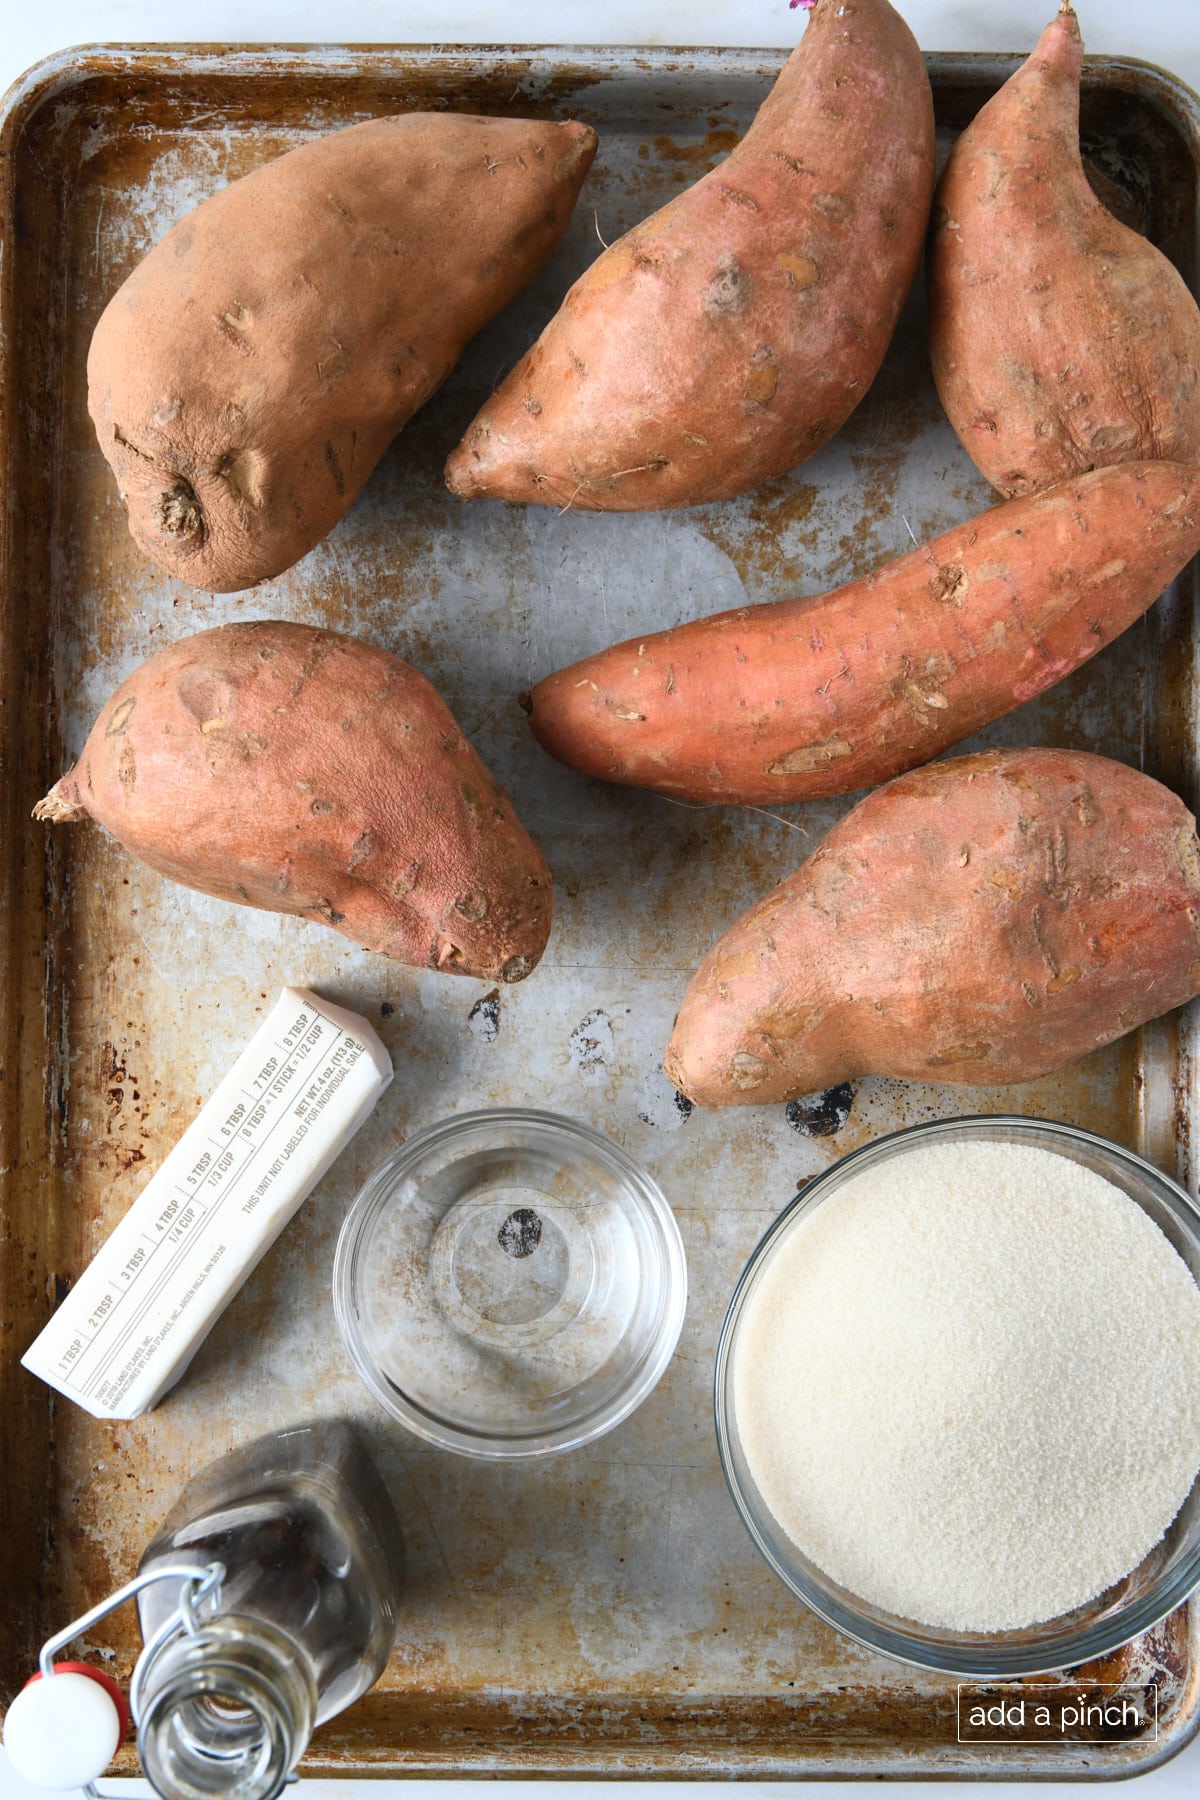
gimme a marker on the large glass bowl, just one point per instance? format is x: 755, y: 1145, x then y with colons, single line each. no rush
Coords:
x: 509, y: 1284
x: 1159, y: 1584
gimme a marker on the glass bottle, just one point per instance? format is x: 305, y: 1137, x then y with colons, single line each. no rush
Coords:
x: 306, y: 1617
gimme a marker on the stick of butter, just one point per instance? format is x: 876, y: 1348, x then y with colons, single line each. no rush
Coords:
x: 292, y: 1101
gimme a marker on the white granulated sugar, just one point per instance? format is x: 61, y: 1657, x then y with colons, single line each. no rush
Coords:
x: 968, y: 1385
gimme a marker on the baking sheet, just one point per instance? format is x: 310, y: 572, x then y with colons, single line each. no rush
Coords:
x: 602, y: 1612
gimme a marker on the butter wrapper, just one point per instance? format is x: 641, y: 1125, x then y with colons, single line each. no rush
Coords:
x: 306, y: 1082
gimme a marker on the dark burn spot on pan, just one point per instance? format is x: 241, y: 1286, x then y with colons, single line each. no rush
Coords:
x: 521, y: 1233
x: 484, y: 1017
x: 821, y: 1115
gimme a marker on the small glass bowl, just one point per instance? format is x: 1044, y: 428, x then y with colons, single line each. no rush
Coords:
x: 1161, y: 1582
x: 509, y: 1284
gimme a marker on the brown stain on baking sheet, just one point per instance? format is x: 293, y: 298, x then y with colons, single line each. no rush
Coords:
x: 703, y: 155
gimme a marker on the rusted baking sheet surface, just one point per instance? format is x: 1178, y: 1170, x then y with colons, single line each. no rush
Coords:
x: 602, y: 1612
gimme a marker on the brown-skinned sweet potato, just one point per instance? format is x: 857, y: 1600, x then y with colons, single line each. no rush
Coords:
x: 795, y: 699
x: 729, y: 335
x: 1061, y: 340
x: 305, y: 772
x: 987, y: 919
x: 247, y: 377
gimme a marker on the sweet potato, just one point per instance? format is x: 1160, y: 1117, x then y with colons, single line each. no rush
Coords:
x: 305, y: 772
x: 799, y: 698
x: 1061, y: 340
x: 250, y: 373
x: 727, y: 336
x: 988, y: 919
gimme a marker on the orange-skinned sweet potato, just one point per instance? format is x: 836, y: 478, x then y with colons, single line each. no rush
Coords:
x: 249, y: 374
x: 1061, y: 340
x: 988, y: 919
x: 799, y: 698
x: 298, y: 770
x: 730, y: 334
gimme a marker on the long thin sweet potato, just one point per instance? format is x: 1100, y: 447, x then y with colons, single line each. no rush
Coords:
x: 988, y: 919
x: 730, y: 334
x: 1061, y: 340
x: 799, y: 698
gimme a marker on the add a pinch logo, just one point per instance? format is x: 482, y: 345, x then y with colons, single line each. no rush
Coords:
x: 1071, y: 1712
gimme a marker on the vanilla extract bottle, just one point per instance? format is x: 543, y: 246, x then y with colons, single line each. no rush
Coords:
x: 311, y: 1566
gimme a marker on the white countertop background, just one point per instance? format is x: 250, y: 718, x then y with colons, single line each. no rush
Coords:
x: 1162, y: 31
x: 1166, y: 32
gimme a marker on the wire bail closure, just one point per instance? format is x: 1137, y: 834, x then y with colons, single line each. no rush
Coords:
x: 199, y: 1582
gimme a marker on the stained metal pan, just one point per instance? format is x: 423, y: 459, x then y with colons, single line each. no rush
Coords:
x: 603, y: 1613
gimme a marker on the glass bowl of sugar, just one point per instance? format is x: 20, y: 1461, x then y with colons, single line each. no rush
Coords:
x: 510, y: 1284
x: 958, y: 1396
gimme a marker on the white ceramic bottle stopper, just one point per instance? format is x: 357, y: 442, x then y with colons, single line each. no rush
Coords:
x: 63, y: 1732
x: 68, y: 1722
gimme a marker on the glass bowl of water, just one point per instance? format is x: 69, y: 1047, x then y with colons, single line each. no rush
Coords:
x: 510, y: 1284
